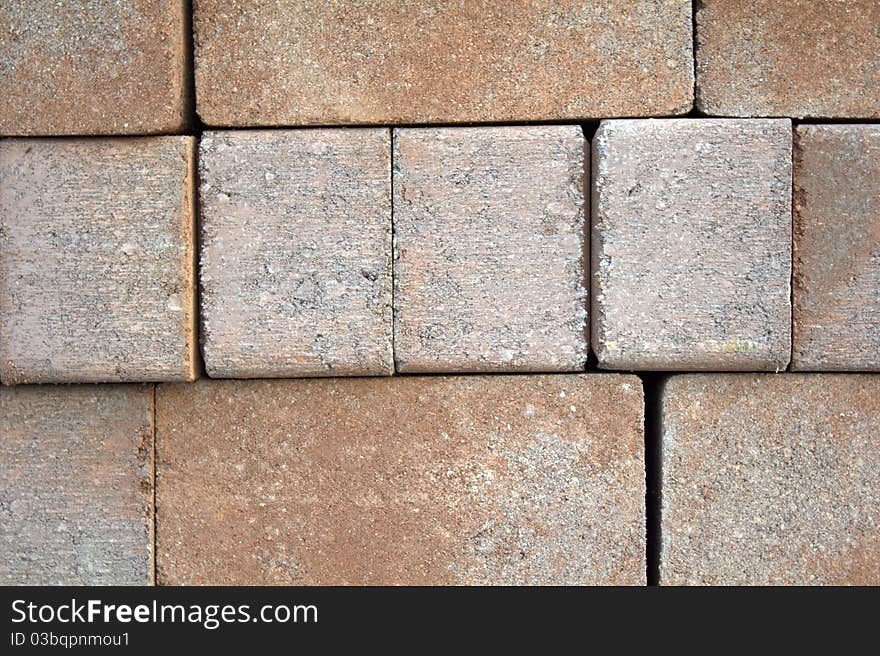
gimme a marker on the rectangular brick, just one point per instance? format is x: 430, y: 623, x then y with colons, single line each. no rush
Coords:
x: 76, y: 485
x: 771, y: 480
x: 799, y: 58
x: 94, y: 67
x: 296, y: 252
x: 489, y: 268
x: 267, y: 63
x: 431, y: 480
x: 97, y: 260
x: 691, y: 242
x: 836, y: 314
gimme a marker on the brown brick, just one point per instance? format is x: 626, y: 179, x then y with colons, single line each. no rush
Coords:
x: 76, y: 485
x: 296, y: 252
x: 495, y: 480
x: 836, y: 312
x: 97, y: 67
x: 771, y: 479
x: 800, y: 58
x: 692, y: 244
x: 489, y: 249
x: 270, y: 62
x: 96, y: 260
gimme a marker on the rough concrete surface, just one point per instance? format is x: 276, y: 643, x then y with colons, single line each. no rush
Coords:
x: 799, y: 58
x: 836, y: 313
x: 771, y: 479
x: 280, y: 62
x: 691, y: 242
x: 76, y: 485
x: 489, y: 249
x: 94, y: 67
x: 416, y: 480
x: 96, y: 260
x: 296, y: 252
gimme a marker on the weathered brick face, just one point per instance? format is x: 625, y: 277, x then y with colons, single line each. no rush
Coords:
x: 296, y: 252
x: 771, y: 480
x: 489, y: 249
x: 96, y: 260
x: 492, y: 480
x: 76, y: 485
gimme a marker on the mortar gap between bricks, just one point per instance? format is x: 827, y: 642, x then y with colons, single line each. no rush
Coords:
x: 652, y: 384
x: 154, y: 475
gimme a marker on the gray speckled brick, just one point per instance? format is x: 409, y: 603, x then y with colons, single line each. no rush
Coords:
x: 76, y: 485
x: 489, y: 249
x: 296, y: 252
x: 691, y: 241
x: 771, y: 479
x: 97, y: 260
x: 836, y: 314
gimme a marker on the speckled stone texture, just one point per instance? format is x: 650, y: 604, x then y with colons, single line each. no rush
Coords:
x: 96, y: 260
x: 691, y: 243
x: 836, y: 312
x: 94, y: 67
x: 416, y: 480
x: 771, y: 479
x: 76, y: 485
x: 281, y: 62
x: 296, y: 253
x: 799, y: 58
x: 489, y: 267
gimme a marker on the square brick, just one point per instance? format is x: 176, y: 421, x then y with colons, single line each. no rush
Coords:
x: 408, y: 480
x: 771, y: 480
x: 836, y: 314
x: 96, y: 260
x: 489, y: 267
x: 296, y: 252
x: 692, y: 244
x: 76, y: 485
x: 94, y: 67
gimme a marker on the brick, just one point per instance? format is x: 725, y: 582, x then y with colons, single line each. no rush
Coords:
x: 489, y: 267
x: 296, y: 252
x: 76, y: 485
x: 271, y: 62
x: 96, y: 260
x: 836, y: 313
x: 409, y: 480
x: 799, y: 58
x: 96, y: 67
x: 770, y: 480
x: 692, y: 244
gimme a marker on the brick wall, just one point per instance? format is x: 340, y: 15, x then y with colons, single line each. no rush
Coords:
x: 565, y: 209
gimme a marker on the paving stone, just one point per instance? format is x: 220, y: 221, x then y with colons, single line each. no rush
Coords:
x: 94, y: 67
x: 489, y: 268
x: 692, y: 244
x: 836, y: 314
x: 96, y: 260
x: 800, y: 58
x: 280, y: 62
x: 405, y: 480
x: 771, y: 479
x: 296, y: 252
x: 76, y: 485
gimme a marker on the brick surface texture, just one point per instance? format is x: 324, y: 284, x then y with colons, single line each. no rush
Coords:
x: 94, y: 67
x: 270, y: 62
x: 489, y: 249
x: 692, y: 244
x: 96, y: 260
x: 76, y: 485
x: 771, y: 480
x: 800, y: 58
x: 493, y: 480
x: 836, y: 322
x: 296, y: 252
